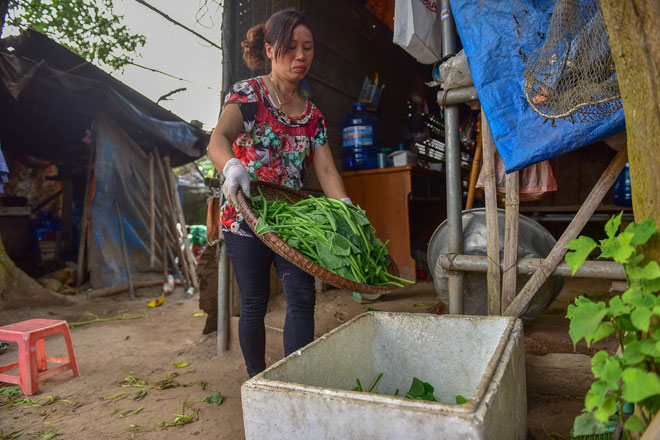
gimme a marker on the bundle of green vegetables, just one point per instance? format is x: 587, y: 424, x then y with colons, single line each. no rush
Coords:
x: 331, y: 233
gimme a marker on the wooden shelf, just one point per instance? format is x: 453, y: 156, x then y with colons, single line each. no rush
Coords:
x: 573, y: 208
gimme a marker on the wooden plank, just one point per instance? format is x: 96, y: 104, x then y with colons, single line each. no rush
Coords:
x: 15, y: 211
x: 152, y: 214
x: 492, y: 232
x: 510, y: 239
x: 603, y: 185
x: 574, y: 208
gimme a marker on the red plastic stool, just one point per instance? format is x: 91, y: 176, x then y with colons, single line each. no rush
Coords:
x: 32, y: 359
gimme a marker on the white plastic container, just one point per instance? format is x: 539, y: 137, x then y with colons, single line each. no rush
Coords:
x: 308, y: 394
x: 403, y: 158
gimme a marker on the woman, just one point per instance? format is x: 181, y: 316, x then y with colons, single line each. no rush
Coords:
x: 268, y: 130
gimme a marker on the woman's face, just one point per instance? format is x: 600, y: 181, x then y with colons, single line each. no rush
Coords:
x: 295, y: 61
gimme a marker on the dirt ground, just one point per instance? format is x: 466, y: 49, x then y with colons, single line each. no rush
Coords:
x: 147, y: 347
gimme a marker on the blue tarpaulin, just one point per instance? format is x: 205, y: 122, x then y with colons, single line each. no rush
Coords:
x: 497, y: 36
x: 122, y: 184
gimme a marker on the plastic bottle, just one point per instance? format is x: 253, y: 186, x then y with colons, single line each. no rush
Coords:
x: 359, y: 136
x: 622, y: 190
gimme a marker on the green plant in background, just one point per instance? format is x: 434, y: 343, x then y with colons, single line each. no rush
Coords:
x: 89, y: 28
x: 631, y: 376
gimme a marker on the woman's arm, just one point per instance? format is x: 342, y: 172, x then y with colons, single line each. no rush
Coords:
x: 326, y: 172
x: 228, y: 128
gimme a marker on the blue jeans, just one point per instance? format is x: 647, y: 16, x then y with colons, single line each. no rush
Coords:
x: 251, y: 260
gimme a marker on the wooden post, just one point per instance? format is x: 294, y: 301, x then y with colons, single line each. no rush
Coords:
x: 492, y: 231
x: 510, y: 239
x: 84, y: 221
x: 124, y: 251
x: 152, y: 214
x: 555, y: 256
x: 474, y: 174
x: 163, y: 245
x: 170, y: 210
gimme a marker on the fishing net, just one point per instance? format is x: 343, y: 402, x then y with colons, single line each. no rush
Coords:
x: 572, y: 76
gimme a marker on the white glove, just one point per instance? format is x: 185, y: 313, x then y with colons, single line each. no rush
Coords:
x: 347, y: 200
x: 235, y: 177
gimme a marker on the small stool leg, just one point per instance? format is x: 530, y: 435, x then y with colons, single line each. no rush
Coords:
x: 42, y: 364
x: 72, y: 355
x: 28, y: 369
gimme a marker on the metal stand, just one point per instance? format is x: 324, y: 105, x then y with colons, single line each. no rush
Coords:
x: 453, y: 179
x: 504, y: 300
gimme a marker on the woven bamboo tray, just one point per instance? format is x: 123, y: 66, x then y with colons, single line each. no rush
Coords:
x: 272, y: 191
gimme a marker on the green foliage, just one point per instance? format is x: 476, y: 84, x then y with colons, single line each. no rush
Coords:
x: 215, y: 399
x: 421, y: 391
x: 633, y: 317
x: 330, y: 233
x: 87, y: 27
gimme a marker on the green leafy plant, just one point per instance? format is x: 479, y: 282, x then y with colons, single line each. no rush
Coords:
x: 331, y: 233
x: 215, y: 399
x: 632, y: 316
x: 89, y: 28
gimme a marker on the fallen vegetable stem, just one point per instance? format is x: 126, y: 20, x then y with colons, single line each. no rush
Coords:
x: 116, y: 318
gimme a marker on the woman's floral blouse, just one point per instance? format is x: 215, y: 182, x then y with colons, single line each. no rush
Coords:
x: 273, y: 146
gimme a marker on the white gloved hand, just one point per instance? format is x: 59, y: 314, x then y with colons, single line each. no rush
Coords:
x: 347, y: 200
x: 235, y: 177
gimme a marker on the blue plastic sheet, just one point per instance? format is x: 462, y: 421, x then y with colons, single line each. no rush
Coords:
x: 122, y: 183
x: 497, y: 35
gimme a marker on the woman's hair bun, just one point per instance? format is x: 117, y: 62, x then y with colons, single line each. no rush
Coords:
x: 254, y: 53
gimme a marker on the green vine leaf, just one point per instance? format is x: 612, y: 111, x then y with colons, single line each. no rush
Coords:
x: 641, y: 317
x: 649, y: 272
x: 587, y: 424
x: 632, y: 354
x: 582, y: 246
x: 615, y: 306
x: 612, y: 226
x: 606, y: 367
x: 639, y: 298
x: 596, y: 395
x: 605, y: 411
x: 634, y: 424
x: 585, y: 317
x: 642, y: 231
x: 618, y: 248
x: 650, y: 347
x: 639, y: 384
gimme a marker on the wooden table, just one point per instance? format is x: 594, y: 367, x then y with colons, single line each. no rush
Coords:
x: 403, y: 204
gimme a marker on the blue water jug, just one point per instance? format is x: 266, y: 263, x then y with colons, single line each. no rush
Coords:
x: 622, y: 190
x: 359, y: 140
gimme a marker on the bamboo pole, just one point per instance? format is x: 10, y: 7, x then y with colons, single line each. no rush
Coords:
x: 189, y: 259
x: 168, y: 199
x: 152, y: 214
x: 653, y: 430
x: 594, y: 198
x: 510, y: 239
x: 84, y: 221
x: 109, y: 291
x: 474, y: 174
x: 492, y: 232
x: 187, y: 248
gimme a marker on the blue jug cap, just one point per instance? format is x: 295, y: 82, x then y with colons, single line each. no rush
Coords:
x: 359, y: 105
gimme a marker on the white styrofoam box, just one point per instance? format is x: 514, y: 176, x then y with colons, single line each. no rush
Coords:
x: 402, y: 158
x: 308, y: 395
